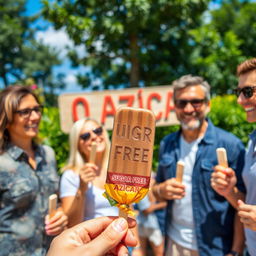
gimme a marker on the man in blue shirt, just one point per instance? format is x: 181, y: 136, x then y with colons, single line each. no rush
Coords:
x: 198, y: 220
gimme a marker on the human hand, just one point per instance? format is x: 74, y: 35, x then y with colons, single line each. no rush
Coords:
x: 87, y: 173
x: 223, y: 180
x: 247, y: 214
x: 100, y: 236
x: 137, y: 251
x: 56, y: 224
x: 172, y: 189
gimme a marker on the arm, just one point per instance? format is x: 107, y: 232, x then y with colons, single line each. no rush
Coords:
x: 155, y: 206
x: 73, y: 206
x: 238, y: 236
x: 73, y: 189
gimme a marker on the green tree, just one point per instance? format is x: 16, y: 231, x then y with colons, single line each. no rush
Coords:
x: 227, y: 38
x: 21, y: 57
x: 130, y: 42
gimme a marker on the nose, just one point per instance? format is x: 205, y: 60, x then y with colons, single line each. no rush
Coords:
x: 189, y: 108
x: 35, y: 115
x: 240, y: 99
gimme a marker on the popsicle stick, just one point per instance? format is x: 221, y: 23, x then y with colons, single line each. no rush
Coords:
x: 222, y: 157
x: 93, y: 153
x: 179, y: 170
x: 122, y: 214
x: 52, y: 204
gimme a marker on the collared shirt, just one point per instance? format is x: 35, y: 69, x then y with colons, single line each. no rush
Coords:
x: 24, y: 193
x: 213, y: 215
x: 249, y: 176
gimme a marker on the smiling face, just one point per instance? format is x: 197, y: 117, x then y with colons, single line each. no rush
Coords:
x: 249, y: 104
x: 91, y: 133
x: 191, y: 116
x: 25, y: 127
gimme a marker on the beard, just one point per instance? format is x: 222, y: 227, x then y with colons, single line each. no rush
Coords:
x: 193, y: 125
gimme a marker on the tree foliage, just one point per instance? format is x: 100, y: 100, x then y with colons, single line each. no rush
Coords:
x: 130, y: 42
x: 21, y: 57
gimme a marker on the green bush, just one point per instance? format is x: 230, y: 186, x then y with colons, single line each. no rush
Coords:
x: 51, y: 135
x: 225, y: 113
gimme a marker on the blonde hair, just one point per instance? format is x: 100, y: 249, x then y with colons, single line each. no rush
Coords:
x: 10, y: 99
x: 76, y: 159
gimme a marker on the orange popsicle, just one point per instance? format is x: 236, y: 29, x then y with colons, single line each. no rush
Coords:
x: 130, y: 160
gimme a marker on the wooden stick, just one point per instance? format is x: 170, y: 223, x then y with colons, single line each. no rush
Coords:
x: 222, y: 157
x: 179, y: 170
x: 52, y: 204
x: 122, y: 213
x: 93, y: 153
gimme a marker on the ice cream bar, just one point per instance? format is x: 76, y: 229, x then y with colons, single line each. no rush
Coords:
x: 179, y: 170
x: 130, y: 160
x: 222, y: 157
x: 52, y: 204
x: 93, y: 152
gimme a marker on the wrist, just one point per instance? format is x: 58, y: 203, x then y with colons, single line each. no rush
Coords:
x: 235, y: 253
x: 158, y: 191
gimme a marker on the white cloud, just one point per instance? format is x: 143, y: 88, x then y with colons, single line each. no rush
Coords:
x: 60, y: 40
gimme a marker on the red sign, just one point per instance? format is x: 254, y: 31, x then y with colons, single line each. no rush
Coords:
x: 102, y: 105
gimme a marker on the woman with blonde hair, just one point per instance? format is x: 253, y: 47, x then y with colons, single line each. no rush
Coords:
x: 27, y: 177
x: 82, y: 183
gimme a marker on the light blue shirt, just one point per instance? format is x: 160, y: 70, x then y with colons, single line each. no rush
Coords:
x: 249, y: 177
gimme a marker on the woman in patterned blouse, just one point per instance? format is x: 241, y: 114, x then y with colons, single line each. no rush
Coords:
x: 27, y: 177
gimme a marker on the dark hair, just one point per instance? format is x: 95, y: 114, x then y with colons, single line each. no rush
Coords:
x: 246, y: 66
x: 10, y: 99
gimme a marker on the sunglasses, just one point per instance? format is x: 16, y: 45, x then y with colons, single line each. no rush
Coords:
x: 86, y: 136
x: 247, y: 91
x: 26, y: 112
x: 196, y: 103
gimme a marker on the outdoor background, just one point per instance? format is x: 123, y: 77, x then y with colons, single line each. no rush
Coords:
x: 83, y: 45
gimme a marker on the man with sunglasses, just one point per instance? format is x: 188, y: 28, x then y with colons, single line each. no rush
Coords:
x: 198, y: 220
x: 225, y: 182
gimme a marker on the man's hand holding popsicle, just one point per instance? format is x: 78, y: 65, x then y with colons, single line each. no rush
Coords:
x: 223, y: 178
x: 172, y: 188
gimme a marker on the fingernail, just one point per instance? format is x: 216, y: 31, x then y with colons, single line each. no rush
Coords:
x: 120, y: 225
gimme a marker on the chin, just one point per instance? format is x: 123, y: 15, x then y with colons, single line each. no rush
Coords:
x: 191, y: 125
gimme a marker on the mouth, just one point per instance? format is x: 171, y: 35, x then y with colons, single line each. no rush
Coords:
x: 32, y: 126
x: 249, y: 109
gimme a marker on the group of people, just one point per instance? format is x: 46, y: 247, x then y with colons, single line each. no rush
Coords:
x: 212, y: 212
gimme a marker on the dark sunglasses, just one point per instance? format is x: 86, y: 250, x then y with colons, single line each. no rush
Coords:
x: 247, y: 91
x: 86, y: 136
x: 196, y: 103
x: 26, y: 112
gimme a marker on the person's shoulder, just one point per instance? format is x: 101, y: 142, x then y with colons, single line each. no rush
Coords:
x: 6, y: 162
x: 48, y: 150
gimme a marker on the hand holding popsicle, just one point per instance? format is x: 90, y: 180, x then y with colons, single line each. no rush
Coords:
x: 130, y: 161
x: 56, y: 221
x: 223, y: 178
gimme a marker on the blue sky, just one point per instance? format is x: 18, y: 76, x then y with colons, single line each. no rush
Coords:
x: 53, y: 38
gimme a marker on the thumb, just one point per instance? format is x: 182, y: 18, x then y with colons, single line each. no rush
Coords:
x: 109, y: 238
x: 240, y: 203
